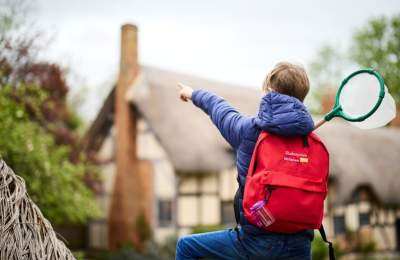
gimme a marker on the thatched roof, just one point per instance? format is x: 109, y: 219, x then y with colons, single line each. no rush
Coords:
x: 363, y: 158
x: 186, y: 133
x: 193, y: 144
x: 101, y: 125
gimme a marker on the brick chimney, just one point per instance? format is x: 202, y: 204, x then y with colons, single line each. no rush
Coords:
x: 131, y: 206
x: 396, y: 121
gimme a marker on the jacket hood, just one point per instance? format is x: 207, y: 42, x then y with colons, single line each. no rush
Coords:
x: 283, y: 115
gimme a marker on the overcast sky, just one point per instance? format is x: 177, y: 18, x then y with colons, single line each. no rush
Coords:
x: 228, y: 40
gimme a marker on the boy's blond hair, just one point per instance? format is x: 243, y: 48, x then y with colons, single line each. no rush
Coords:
x: 289, y: 79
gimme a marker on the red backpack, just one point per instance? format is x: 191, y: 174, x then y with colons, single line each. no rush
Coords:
x: 286, y: 184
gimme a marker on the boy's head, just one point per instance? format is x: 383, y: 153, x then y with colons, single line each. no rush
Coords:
x: 289, y: 79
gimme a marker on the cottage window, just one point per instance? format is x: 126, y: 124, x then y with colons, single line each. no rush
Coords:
x: 164, y: 212
x: 339, y: 225
x: 227, y: 213
x: 364, y: 219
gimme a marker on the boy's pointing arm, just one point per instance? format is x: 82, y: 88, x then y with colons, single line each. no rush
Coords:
x: 229, y: 121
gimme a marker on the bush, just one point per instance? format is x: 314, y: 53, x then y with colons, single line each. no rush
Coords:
x: 207, y: 228
x: 152, y: 251
x: 143, y: 228
x: 319, y: 248
x: 54, y: 183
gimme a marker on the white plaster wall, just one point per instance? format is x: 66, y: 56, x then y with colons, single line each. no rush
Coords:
x: 209, y: 183
x: 188, y: 184
x: 164, y: 180
x: 148, y: 148
x: 210, y: 210
x: 188, y: 211
x: 228, y: 184
x: 184, y: 231
x: 201, y: 209
x: 107, y: 174
x: 107, y: 149
x: 163, y: 233
x: 351, y: 217
x: 384, y: 237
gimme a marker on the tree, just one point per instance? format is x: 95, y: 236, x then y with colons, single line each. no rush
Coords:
x: 377, y: 45
x: 326, y: 71
x: 38, y: 130
x: 327, y: 68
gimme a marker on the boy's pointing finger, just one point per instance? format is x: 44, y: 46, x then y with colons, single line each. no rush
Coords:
x: 180, y: 85
x: 185, y: 92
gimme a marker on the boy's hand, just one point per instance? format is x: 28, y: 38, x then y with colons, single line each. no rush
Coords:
x: 185, y: 92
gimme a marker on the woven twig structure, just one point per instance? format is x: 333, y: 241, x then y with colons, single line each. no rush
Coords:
x: 24, y: 232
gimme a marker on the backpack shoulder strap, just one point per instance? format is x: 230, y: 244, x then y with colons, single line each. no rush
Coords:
x: 262, y: 136
x: 331, y: 249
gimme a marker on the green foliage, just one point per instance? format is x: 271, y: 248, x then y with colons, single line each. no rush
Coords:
x: 319, y: 248
x: 357, y: 244
x: 39, y: 135
x: 367, y: 248
x: 377, y: 45
x: 327, y: 68
x: 326, y: 71
x: 79, y: 255
x: 73, y: 122
x: 143, y: 228
x: 53, y: 182
x: 152, y: 251
x: 206, y: 228
x: 12, y: 14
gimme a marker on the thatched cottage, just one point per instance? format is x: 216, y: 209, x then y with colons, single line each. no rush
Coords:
x: 163, y: 161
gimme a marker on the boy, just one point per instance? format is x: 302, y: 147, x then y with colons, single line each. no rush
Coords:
x: 281, y: 112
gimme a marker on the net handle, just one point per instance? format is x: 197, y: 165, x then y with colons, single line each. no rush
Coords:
x: 320, y: 123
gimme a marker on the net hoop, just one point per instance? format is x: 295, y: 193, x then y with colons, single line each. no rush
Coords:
x: 337, y: 110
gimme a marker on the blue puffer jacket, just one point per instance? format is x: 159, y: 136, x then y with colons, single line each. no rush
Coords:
x: 278, y: 114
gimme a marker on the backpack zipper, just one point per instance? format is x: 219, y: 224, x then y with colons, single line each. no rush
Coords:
x: 268, y: 193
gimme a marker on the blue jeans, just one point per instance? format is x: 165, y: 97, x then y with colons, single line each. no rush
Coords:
x: 236, y: 244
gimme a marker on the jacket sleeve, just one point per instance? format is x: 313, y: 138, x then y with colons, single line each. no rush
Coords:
x: 228, y: 121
